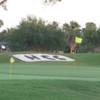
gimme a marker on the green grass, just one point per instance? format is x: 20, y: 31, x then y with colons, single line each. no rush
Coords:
x: 79, y: 80
x: 49, y: 90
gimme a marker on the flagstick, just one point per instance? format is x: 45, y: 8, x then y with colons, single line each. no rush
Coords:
x: 10, y: 71
x: 12, y: 60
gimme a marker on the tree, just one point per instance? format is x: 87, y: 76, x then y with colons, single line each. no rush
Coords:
x: 97, y: 36
x: 90, y: 30
x: 71, y: 31
x: 3, y: 4
x: 90, y: 38
x: 34, y: 34
x: 1, y: 23
x: 51, y: 1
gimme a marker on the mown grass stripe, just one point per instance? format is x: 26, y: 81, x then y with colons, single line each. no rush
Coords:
x: 5, y: 76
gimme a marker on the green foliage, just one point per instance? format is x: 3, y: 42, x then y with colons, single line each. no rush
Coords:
x: 97, y: 37
x: 34, y: 34
x: 1, y: 23
x: 71, y: 30
x: 91, y: 37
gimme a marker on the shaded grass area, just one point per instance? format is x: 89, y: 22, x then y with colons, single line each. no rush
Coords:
x: 49, y: 90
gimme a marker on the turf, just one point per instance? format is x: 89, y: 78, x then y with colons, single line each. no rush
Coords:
x: 77, y: 80
x: 49, y: 90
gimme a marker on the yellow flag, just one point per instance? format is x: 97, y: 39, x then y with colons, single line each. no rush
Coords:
x: 78, y: 40
x: 12, y: 60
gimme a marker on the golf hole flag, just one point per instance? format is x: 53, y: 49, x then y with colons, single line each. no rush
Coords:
x: 78, y: 40
x: 12, y: 60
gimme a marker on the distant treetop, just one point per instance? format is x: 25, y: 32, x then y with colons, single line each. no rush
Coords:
x: 3, y: 4
x: 51, y: 1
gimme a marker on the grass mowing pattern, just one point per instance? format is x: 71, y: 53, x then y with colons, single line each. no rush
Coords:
x: 58, y: 84
x: 49, y: 90
x: 50, y: 71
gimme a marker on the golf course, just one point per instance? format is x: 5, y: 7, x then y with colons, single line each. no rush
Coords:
x: 50, y: 50
x: 77, y: 80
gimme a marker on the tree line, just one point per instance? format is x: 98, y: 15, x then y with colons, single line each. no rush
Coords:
x: 37, y: 35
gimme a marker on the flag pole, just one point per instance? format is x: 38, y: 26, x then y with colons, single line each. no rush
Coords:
x: 12, y: 61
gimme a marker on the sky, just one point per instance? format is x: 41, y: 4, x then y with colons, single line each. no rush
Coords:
x: 81, y: 11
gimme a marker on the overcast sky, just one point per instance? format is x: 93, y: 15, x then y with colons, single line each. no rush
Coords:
x: 81, y: 11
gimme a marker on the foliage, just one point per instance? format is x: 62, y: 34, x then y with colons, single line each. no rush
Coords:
x: 37, y: 35
x: 71, y: 31
x: 51, y: 1
x: 2, y: 3
x: 34, y: 34
x: 90, y: 36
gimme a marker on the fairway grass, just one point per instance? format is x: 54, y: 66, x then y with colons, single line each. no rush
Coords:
x: 49, y: 70
x: 79, y: 80
x: 49, y: 90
